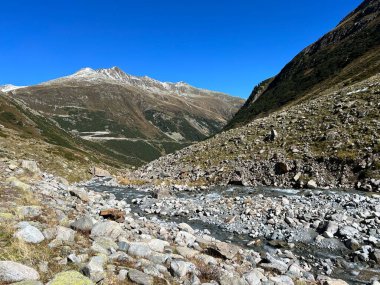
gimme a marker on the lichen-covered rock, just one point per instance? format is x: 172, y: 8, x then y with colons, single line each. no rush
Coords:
x: 70, y: 278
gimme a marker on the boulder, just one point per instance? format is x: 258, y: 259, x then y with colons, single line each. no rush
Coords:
x: 79, y: 193
x: 281, y: 168
x: 94, y: 269
x: 13, y: 272
x: 113, y: 214
x: 83, y: 224
x: 311, y: 184
x: 139, y: 249
x: 70, y: 278
x: 14, y: 182
x: 109, y: 229
x: 65, y: 234
x: 30, y: 165
x: 184, y: 238
x: 223, y: 249
x: 158, y: 245
x: 30, y: 234
x: 140, y: 278
x: 180, y: 268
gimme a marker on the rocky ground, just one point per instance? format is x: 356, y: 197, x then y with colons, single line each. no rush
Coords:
x: 330, y: 141
x: 55, y: 233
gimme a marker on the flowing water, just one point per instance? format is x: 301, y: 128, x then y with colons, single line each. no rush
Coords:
x: 354, y: 273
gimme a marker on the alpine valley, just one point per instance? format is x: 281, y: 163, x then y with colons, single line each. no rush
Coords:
x: 108, y: 178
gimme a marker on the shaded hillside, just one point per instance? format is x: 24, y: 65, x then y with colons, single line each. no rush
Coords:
x: 137, y: 117
x: 347, y: 54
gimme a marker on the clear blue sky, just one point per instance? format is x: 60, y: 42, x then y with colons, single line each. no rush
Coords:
x: 228, y: 46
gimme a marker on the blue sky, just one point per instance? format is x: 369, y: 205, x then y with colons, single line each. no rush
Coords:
x: 228, y: 46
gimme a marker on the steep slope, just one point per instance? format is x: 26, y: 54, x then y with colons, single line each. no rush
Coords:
x: 138, y: 117
x: 347, y: 54
x: 332, y: 139
x: 25, y: 132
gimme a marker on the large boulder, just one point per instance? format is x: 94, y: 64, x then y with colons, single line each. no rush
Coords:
x: 109, y: 229
x: 223, y: 249
x: 70, y: 278
x: 83, y: 224
x: 13, y: 272
x: 139, y: 249
x: 30, y: 234
x: 79, y: 193
x: 180, y: 268
x: 65, y: 234
x: 184, y: 238
x: 95, y: 269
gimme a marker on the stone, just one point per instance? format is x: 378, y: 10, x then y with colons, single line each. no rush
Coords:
x: 158, y: 245
x: 180, y: 268
x: 184, y: 238
x: 99, y: 172
x: 28, y: 282
x: 254, y: 277
x: 79, y: 193
x: 105, y: 243
x: 109, y: 229
x: 11, y: 271
x: 352, y: 244
x: 281, y: 280
x: 113, y: 214
x: 14, y: 182
x: 223, y: 249
x: 140, y: 278
x: 83, y: 224
x: 185, y: 227
x: 30, y: 165
x: 139, y: 249
x: 65, y: 234
x: 30, y: 234
x: 311, y: 184
x: 348, y: 231
x: 187, y: 252
x: 330, y: 281
x: 70, y: 278
x: 375, y: 255
x: 95, y: 269
x: 28, y: 211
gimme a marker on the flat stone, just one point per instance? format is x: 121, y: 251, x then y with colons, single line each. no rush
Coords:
x: 224, y: 249
x: 79, y: 193
x: 11, y: 271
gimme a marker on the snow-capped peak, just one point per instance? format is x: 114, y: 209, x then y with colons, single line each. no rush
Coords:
x: 9, y: 87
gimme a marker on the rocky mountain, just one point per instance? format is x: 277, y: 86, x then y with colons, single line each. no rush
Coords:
x: 138, y: 117
x: 313, y: 125
x: 9, y: 87
x: 347, y: 54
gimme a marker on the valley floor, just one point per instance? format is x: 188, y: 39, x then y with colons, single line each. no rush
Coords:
x: 56, y: 233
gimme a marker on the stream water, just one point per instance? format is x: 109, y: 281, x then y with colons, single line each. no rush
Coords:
x: 354, y: 273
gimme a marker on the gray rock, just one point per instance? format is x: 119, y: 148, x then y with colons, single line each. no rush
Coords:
x: 29, y: 211
x: 13, y: 272
x: 109, y: 229
x: 254, y: 277
x: 65, y: 234
x: 281, y: 280
x: 30, y: 234
x: 83, y: 224
x: 224, y: 249
x: 348, y: 231
x: 139, y: 249
x: 375, y: 255
x: 158, y: 245
x: 79, y: 193
x: 30, y: 165
x: 94, y: 269
x: 311, y: 184
x: 180, y: 268
x: 140, y: 278
x: 184, y: 238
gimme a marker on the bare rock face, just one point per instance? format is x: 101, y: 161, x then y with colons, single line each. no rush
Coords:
x: 14, y: 272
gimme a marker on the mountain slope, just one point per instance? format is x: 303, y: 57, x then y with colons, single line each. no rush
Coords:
x: 316, y: 124
x: 138, y: 117
x: 26, y: 133
x: 347, y: 54
x: 332, y: 139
